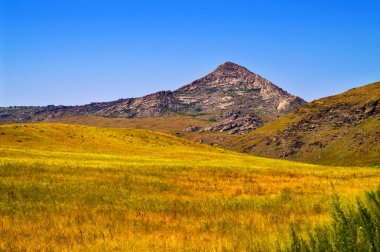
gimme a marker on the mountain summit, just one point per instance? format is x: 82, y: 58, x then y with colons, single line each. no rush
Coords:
x: 230, y: 87
x: 233, y: 87
x: 230, y: 67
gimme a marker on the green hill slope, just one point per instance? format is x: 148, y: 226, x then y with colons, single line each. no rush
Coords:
x: 70, y: 187
x: 338, y: 130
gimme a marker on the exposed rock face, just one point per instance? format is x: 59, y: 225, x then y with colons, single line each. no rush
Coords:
x: 339, y: 118
x: 147, y: 106
x: 236, y: 122
x: 229, y: 87
x: 233, y: 87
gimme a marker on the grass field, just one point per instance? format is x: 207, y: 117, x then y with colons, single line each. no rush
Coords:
x: 68, y: 187
x: 171, y: 123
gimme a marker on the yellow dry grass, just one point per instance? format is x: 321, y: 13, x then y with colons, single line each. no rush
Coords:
x: 68, y: 187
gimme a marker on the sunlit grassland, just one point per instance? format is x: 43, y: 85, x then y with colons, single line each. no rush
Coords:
x: 171, y: 123
x: 67, y: 187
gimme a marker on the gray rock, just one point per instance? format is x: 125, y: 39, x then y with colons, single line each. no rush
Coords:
x: 191, y: 128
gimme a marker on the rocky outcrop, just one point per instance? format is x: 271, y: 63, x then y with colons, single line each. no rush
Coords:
x: 340, y: 116
x: 235, y: 123
x: 191, y: 128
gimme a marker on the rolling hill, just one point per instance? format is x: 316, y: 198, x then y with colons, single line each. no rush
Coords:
x: 342, y: 129
x: 73, y: 187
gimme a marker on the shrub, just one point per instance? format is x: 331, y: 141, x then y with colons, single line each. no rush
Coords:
x: 354, y: 229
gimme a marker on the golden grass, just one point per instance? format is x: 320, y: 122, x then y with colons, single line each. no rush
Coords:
x: 67, y: 187
x: 171, y: 123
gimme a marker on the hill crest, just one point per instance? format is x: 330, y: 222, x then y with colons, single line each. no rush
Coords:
x: 341, y: 130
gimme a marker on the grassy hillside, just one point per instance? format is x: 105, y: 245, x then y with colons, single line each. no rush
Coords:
x: 76, y: 138
x: 336, y: 130
x: 70, y: 187
x: 173, y: 123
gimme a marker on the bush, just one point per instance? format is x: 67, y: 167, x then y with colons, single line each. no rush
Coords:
x: 354, y: 229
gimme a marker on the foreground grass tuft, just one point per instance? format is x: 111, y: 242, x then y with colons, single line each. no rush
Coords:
x: 354, y: 229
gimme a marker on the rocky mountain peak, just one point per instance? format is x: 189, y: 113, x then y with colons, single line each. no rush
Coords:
x: 230, y: 67
x: 230, y: 87
x: 233, y: 87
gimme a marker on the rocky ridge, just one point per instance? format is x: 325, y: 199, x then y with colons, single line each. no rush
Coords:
x: 228, y: 88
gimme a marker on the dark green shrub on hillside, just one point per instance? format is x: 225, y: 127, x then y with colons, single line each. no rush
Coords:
x: 354, y: 229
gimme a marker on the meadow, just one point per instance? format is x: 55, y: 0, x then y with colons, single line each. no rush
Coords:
x: 70, y: 187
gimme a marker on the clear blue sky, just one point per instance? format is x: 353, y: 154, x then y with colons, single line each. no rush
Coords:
x: 80, y: 51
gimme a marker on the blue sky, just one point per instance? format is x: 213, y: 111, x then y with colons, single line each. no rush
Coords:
x: 80, y: 51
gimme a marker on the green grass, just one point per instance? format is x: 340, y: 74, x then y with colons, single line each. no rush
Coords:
x: 69, y: 187
x: 354, y: 229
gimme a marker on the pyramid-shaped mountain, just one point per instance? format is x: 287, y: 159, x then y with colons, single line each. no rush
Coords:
x: 229, y: 87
